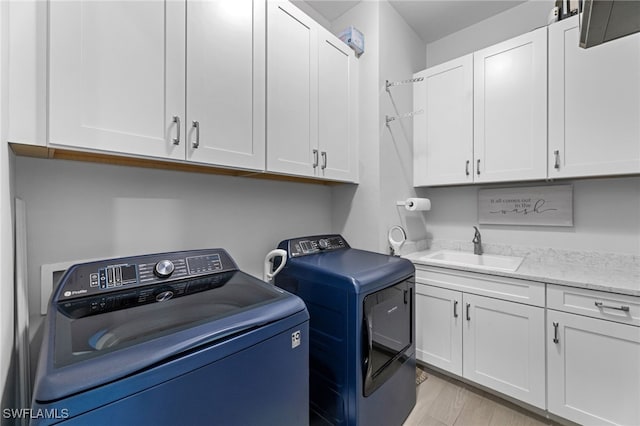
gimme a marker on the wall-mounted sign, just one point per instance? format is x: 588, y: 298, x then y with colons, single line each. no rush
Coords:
x: 538, y: 205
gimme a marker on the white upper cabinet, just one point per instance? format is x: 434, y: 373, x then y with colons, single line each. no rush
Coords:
x: 443, y: 151
x: 311, y: 98
x: 179, y: 80
x: 117, y: 76
x: 510, y: 109
x: 337, y: 108
x: 485, y: 115
x: 226, y: 83
x: 594, y: 104
x: 292, y: 95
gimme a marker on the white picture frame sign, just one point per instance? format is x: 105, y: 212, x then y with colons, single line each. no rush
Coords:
x: 532, y: 206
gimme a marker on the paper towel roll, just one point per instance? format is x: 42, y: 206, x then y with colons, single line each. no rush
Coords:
x: 417, y: 204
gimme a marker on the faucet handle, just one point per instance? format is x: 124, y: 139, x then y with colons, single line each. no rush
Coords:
x: 476, y: 236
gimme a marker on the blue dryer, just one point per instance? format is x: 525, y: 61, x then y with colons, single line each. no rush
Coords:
x: 362, y: 337
x: 169, y: 339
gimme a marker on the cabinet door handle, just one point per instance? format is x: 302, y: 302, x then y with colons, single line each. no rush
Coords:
x: 455, y: 309
x: 466, y: 168
x: 622, y: 308
x: 556, y: 153
x: 478, y: 167
x: 176, y: 140
x: 315, y: 158
x: 324, y: 160
x: 468, y: 307
x: 196, y: 142
x: 555, y: 332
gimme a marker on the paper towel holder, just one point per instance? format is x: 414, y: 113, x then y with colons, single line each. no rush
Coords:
x: 409, y: 203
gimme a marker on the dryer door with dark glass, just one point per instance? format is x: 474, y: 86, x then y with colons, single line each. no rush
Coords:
x: 388, y: 333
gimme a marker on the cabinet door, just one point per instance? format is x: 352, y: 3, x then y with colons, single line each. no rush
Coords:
x: 504, y: 347
x: 117, y: 76
x: 594, y: 370
x: 594, y: 104
x: 292, y: 91
x: 337, y: 108
x: 225, y: 82
x: 443, y: 135
x: 439, y: 327
x: 510, y: 109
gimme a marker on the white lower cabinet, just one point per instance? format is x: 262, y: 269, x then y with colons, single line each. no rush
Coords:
x: 504, y: 347
x: 439, y: 327
x: 495, y: 343
x: 594, y: 364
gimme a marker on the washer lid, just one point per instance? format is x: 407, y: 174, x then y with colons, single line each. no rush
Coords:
x: 80, y: 353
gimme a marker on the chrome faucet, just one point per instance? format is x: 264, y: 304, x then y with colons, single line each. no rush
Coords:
x: 477, y: 242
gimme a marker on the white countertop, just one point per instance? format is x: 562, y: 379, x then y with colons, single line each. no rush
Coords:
x: 608, y: 272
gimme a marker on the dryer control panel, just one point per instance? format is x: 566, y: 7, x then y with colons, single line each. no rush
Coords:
x: 313, y: 245
x: 97, y: 278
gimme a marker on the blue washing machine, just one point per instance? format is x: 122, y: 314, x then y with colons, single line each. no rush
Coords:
x: 172, y: 338
x: 362, y: 336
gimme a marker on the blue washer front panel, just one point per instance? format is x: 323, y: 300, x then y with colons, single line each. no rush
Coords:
x: 256, y: 378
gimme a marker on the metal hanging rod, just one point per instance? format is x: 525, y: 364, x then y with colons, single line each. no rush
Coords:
x: 388, y: 118
x: 389, y: 84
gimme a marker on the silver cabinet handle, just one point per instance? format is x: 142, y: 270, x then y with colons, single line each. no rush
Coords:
x: 315, y: 158
x: 622, y: 308
x: 555, y: 332
x: 324, y: 160
x: 455, y: 309
x: 478, y: 167
x: 557, y: 155
x: 466, y: 168
x: 176, y: 140
x: 468, y: 307
x: 196, y: 142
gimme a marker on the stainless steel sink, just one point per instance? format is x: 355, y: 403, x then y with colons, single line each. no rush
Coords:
x: 490, y: 262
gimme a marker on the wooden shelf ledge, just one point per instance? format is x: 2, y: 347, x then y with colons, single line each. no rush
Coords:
x: 92, y: 157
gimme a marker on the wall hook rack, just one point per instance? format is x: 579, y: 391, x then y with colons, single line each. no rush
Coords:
x: 389, y: 84
x: 389, y: 118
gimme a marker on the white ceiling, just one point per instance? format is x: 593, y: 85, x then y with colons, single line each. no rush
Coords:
x: 430, y: 19
x: 331, y: 9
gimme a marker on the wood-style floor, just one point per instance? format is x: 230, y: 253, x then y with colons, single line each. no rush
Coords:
x: 444, y: 401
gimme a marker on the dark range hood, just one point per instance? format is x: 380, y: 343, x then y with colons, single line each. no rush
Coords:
x: 605, y: 20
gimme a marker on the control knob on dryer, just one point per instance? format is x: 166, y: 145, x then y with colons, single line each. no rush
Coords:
x: 164, y: 268
x: 323, y: 244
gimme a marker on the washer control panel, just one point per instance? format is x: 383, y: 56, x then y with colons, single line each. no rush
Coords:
x: 315, y: 244
x: 89, y: 279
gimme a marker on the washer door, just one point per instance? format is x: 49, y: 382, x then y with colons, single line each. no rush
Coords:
x: 388, y: 333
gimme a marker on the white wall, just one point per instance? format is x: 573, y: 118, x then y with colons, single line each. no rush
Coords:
x: 606, y: 218
x: 6, y: 233
x: 356, y: 209
x: 510, y: 23
x: 606, y: 211
x: 82, y: 210
x: 392, y: 52
x: 402, y: 54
